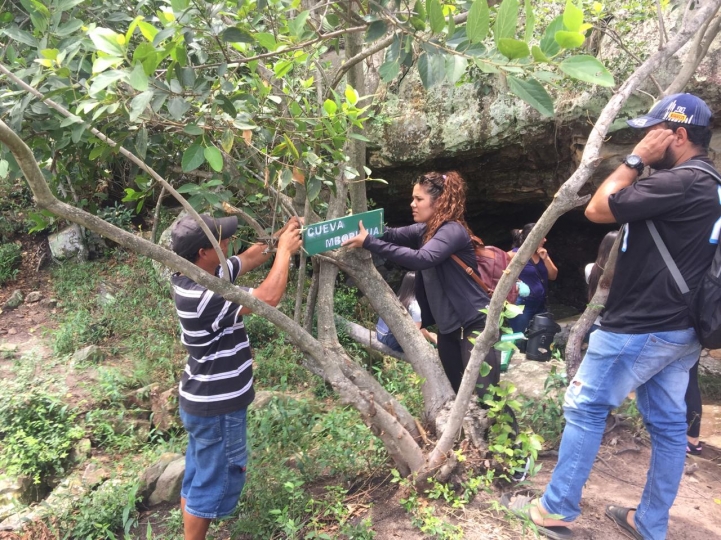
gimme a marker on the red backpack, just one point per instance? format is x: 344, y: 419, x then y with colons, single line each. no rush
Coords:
x: 491, y: 262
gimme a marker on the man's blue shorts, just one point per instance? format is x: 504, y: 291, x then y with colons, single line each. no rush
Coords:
x: 214, y: 463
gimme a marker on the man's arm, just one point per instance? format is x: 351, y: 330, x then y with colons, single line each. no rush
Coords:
x: 256, y: 254
x: 651, y: 149
x: 273, y: 286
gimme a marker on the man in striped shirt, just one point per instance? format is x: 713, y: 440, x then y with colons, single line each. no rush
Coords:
x: 217, y: 383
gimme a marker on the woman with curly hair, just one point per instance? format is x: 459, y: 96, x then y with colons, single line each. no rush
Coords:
x: 447, y: 296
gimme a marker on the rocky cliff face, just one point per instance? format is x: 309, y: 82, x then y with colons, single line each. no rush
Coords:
x: 514, y: 159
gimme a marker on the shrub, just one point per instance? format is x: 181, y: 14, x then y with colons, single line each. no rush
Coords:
x: 37, y: 431
x: 10, y: 257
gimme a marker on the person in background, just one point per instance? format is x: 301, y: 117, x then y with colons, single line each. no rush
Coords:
x: 407, y: 297
x: 538, y: 270
x: 693, y: 412
x: 515, y: 240
x: 594, y: 270
x: 448, y: 297
x: 217, y: 383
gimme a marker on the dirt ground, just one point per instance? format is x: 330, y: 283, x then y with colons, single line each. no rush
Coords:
x: 617, y: 477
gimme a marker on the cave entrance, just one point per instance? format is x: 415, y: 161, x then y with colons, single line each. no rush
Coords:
x: 572, y: 243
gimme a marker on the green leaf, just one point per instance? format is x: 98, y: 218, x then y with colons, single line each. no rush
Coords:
x: 451, y: 24
x: 193, y: 157
x: 389, y: 71
x: 286, y: 177
x: 376, y: 30
x: 485, y: 67
x: 432, y: 69
x: 282, y: 67
x: 104, y: 62
x: 548, y: 42
x: 236, y: 35
x: 192, y: 129
x: 179, y: 5
x: 530, y: 22
x: 298, y: 23
x: 213, y: 157
x: 4, y: 165
x: 177, y: 107
x: 330, y: 107
x: 266, y: 40
x: 71, y: 26
x: 139, y: 104
x: 313, y: 187
x: 478, y: 21
x: 141, y: 142
x: 107, y: 41
x: 351, y: 95
x: 227, y: 140
x: 506, y: 20
x: 513, y: 48
x: 569, y: 40
x: 138, y: 79
x: 455, y: 67
x: 14, y: 32
x: 103, y: 80
x: 533, y: 93
x: 435, y: 13
x: 538, y: 55
x: 572, y: 17
x: 587, y: 68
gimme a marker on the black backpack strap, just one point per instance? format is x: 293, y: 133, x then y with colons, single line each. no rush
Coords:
x: 701, y: 166
x: 675, y: 272
x: 668, y: 259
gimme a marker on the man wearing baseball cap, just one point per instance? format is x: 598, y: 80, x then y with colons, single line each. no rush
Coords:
x: 646, y: 342
x: 217, y: 383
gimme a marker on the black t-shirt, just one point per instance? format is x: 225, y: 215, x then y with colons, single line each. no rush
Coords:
x: 685, y: 205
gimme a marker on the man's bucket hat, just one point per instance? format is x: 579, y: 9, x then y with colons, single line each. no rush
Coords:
x: 678, y: 108
x: 187, y: 237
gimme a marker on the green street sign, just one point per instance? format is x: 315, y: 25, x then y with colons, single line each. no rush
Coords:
x: 327, y: 235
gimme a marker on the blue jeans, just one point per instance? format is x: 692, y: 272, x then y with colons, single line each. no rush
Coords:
x: 214, y: 463
x: 656, y: 366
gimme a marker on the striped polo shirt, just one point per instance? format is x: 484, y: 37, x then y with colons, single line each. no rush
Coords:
x: 218, y: 378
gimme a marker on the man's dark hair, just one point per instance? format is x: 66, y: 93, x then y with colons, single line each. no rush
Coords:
x: 697, y: 135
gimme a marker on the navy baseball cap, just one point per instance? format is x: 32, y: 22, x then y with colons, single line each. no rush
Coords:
x: 187, y: 237
x: 679, y: 108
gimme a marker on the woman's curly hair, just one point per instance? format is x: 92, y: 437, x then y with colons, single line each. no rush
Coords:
x: 448, y: 196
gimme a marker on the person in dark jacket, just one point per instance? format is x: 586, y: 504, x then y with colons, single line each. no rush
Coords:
x: 447, y: 296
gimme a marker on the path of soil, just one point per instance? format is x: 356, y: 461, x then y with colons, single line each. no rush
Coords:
x: 617, y: 477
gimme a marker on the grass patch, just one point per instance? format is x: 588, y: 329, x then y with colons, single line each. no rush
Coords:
x: 10, y: 257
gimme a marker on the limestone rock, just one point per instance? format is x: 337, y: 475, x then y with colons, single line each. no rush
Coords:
x: 33, y: 297
x: 81, y: 451
x: 149, y: 478
x: 14, y: 493
x: 8, y: 348
x: 165, y: 409
x: 168, y: 486
x: 89, y: 354
x: 529, y: 377
x: 68, y: 243
x: 94, y: 475
x: 16, y: 298
x: 710, y: 365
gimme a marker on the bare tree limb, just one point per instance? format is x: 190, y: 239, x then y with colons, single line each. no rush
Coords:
x: 593, y: 309
x: 701, y: 43
x: 156, y: 216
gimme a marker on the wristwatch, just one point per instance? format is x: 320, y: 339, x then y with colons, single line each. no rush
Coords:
x: 635, y: 162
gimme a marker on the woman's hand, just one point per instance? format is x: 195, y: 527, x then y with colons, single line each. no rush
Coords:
x: 542, y: 253
x: 552, y: 270
x: 358, y: 239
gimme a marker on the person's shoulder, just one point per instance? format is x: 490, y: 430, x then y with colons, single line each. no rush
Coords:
x: 454, y: 228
